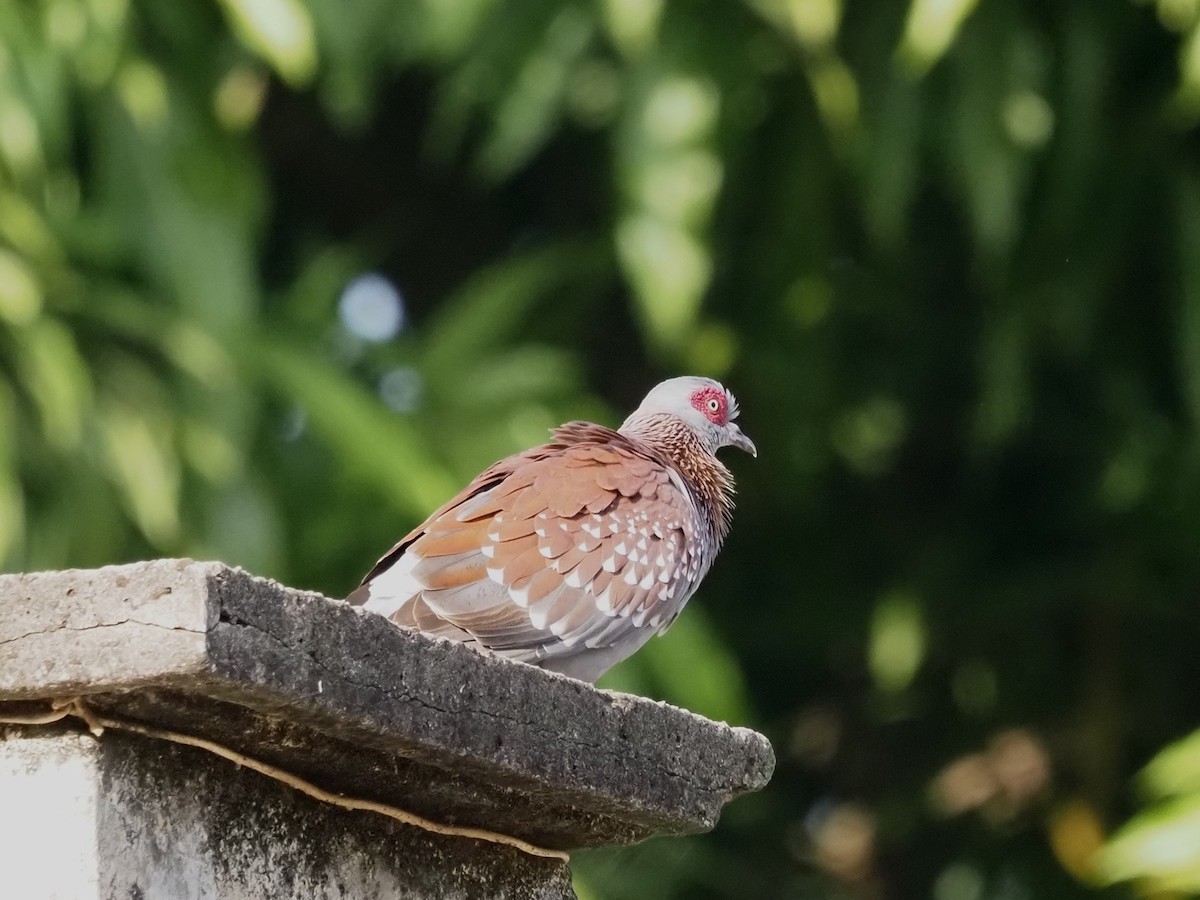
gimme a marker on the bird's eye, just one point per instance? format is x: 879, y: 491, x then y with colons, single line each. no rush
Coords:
x: 714, y: 405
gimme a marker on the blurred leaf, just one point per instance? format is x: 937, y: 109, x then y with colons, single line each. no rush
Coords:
x: 633, y: 24
x: 142, y: 461
x: 930, y: 29
x: 280, y: 31
x: 1187, y: 192
x: 20, y: 295
x: 23, y: 227
x: 1004, y: 382
x: 498, y: 50
x: 714, y: 688
x: 1175, y: 770
x: 12, y: 510
x: 1161, y: 845
x: 451, y: 25
x: 373, y: 444
x: 493, y: 306
x: 143, y: 90
x: 525, y: 118
x: 521, y: 375
x: 20, y: 140
x: 669, y: 176
x: 669, y: 270
x: 57, y: 379
x: 893, y: 163
x: 244, y: 529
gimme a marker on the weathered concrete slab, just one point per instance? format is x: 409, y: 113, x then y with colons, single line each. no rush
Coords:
x: 132, y: 817
x: 350, y: 702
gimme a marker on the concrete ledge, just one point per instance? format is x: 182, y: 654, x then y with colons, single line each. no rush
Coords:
x: 349, y: 702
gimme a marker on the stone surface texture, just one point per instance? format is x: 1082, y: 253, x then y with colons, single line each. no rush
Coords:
x: 345, y: 700
x: 132, y: 817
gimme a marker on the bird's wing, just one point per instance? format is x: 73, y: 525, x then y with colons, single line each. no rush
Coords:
x: 568, y: 547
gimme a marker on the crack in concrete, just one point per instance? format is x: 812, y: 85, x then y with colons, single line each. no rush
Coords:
x: 66, y: 626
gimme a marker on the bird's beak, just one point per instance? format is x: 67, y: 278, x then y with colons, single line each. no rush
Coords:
x: 739, y: 440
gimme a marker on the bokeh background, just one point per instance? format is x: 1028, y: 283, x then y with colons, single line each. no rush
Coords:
x: 277, y: 276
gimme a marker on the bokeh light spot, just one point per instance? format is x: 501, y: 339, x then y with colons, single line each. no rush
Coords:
x: 594, y: 93
x: 814, y: 22
x: 713, y: 349
x: 897, y: 641
x: 836, y: 92
x: 869, y: 436
x: 959, y: 882
x: 239, y: 98
x: 670, y: 269
x: 20, y: 294
x: 401, y: 389
x: 372, y: 308
x: 633, y: 24
x: 143, y: 90
x: 1077, y: 836
x: 681, y: 110
x: 681, y: 188
x: 1028, y: 119
x: 66, y: 23
x: 19, y: 140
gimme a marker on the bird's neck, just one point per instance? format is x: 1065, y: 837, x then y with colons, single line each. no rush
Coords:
x: 710, y: 482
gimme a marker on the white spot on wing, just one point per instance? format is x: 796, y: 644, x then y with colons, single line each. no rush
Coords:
x: 394, y: 586
x: 604, y: 601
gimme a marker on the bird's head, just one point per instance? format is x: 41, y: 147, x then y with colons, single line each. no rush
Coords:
x: 704, y: 405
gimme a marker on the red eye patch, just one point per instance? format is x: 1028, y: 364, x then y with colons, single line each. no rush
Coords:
x: 712, y: 403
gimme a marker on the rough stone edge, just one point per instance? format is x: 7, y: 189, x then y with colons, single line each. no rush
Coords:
x: 143, y: 636
x: 104, y: 629
x: 687, y: 756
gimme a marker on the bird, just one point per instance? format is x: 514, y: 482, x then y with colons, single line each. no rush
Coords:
x: 573, y: 554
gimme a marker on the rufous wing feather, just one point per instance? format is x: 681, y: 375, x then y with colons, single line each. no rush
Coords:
x: 575, y: 545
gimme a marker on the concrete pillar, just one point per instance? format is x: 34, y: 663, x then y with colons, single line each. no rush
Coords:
x: 131, y: 817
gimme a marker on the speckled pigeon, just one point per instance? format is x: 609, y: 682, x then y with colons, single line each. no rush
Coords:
x: 571, y: 555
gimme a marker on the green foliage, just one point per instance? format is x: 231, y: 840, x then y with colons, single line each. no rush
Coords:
x: 947, y: 252
x: 1162, y: 843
